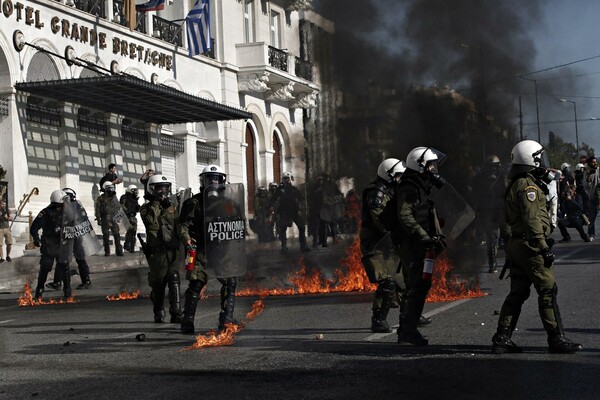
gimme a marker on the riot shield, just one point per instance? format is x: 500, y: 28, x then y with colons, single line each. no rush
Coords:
x: 77, y: 234
x: 117, y: 215
x: 381, y: 261
x: 225, y: 230
x: 187, y: 194
x: 454, y: 212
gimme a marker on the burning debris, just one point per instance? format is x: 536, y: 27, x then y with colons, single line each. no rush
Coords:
x: 125, y: 296
x: 227, y: 337
x: 26, y: 299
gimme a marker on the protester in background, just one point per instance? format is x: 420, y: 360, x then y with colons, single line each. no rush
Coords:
x: 129, y: 202
x: 104, y: 215
x: 5, y: 233
x: 592, y: 178
x: 575, y: 216
x: 288, y: 198
x: 111, y: 176
x: 352, y: 211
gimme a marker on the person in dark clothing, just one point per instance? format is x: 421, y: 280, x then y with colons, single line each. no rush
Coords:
x: 575, y: 216
x: 129, y: 202
x: 111, y: 176
x: 288, y: 199
x: 49, y: 220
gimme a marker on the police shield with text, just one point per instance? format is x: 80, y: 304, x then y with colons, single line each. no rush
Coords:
x: 529, y: 251
x: 214, y: 221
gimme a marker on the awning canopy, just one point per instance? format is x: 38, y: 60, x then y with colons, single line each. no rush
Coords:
x: 134, y: 98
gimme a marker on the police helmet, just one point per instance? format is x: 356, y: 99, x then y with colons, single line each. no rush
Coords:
x: 272, y: 185
x: 159, y: 186
x: 492, y: 159
x: 58, y: 196
x: 132, y: 189
x: 529, y: 153
x: 422, y: 159
x: 108, y: 187
x: 390, y: 168
x: 287, y: 177
x: 564, y: 166
x: 71, y: 193
x: 212, y: 174
x: 579, y: 167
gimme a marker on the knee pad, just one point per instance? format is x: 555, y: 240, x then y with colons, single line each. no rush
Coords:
x: 196, y: 286
x: 387, y: 285
x: 173, y: 277
x: 516, y: 299
x: 232, y: 283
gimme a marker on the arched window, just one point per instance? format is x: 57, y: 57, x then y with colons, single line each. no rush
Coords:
x: 250, y: 168
x: 276, y: 158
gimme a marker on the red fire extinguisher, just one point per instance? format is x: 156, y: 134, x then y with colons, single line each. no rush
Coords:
x: 428, y: 264
x: 190, y: 256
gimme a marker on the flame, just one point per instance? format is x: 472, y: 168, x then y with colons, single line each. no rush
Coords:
x: 353, y: 278
x: 124, y: 296
x: 26, y: 299
x: 227, y: 337
x: 444, y: 289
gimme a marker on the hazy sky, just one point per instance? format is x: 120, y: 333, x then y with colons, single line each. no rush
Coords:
x: 570, y: 31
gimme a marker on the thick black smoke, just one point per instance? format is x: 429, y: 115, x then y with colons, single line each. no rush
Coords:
x: 384, y: 48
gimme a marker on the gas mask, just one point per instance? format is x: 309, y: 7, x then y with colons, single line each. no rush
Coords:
x: 545, y: 175
x: 431, y: 169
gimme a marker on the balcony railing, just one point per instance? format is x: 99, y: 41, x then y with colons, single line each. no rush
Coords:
x: 303, y: 69
x: 43, y: 115
x: 88, y: 124
x: 211, y: 52
x: 278, y: 59
x: 140, y: 25
x: 168, y: 31
x: 4, y: 107
x: 134, y: 135
x: 206, y: 151
x: 169, y: 143
x: 94, y: 7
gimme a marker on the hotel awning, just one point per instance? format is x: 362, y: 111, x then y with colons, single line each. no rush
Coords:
x: 134, y: 98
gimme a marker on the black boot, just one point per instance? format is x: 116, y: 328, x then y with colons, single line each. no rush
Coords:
x: 67, y: 292
x: 118, y: 247
x: 106, y: 243
x: 559, y: 344
x: 189, y: 311
x: 38, y: 293
x: 227, y: 303
x: 303, y: 247
x: 85, y: 283
x: 424, y: 321
x: 409, y: 334
x: 158, y: 300
x: 502, y: 343
x: 175, y: 302
x: 381, y: 306
x: 284, y: 248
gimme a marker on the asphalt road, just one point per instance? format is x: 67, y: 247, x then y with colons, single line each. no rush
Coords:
x: 300, y: 347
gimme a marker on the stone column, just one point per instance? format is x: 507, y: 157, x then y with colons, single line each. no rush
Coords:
x: 68, y: 148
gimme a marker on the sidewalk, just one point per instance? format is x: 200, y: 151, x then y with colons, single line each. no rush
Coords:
x: 264, y: 261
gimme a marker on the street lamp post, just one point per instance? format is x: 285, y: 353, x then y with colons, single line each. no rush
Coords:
x: 483, y: 112
x: 576, y: 131
x: 537, y: 108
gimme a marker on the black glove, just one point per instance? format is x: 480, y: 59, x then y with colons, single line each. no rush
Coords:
x: 548, y: 257
x: 550, y: 242
x: 36, y: 242
x: 439, y: 247
x: 428, y: 242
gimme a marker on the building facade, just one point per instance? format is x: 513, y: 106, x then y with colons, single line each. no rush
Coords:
x: 80, y: 90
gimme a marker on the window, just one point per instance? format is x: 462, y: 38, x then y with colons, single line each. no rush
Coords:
x: 248, y: 21
x: 275, y: 29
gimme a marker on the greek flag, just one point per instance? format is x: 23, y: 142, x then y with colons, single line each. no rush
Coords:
x: 198, y: 28
x: 152, y: 5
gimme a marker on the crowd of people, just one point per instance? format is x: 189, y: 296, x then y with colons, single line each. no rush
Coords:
x: 396, y: 216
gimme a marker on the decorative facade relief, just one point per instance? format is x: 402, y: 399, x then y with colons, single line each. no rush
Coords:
x: 305, y: 100
x: 282, y: 92
x: 297, y: 5
x: 254, y: 83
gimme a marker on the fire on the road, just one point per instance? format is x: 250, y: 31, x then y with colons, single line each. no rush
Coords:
x: 445, y: 286
x: 227, y: 337
x: 26, y: 299
x: 124, y: 296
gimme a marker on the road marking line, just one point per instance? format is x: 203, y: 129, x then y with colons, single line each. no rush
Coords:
x: 445, y: 307
x: 8, y: 320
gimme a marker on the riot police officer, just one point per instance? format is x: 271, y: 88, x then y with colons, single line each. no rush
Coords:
x: 191, y: 229
x: 129, y: 202
x: 379, y: 267
x: 103, y: 212
x: 418, y: 229
x: 49, y: 220
x: 529, y: 251
x: 288, y: 199
x: 159, y: 216
x: 489, y: 187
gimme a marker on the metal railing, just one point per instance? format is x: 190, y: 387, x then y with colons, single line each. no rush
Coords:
x: 92, y: 125
x: 134, y: 135
x: 94, y: 7
x: 166, y: 30
x: 206, y: 151
x: 43, y: 115
x: 118, y: 12
x: 4, y: 107
x: 278, y: 59
x: 170, y: 143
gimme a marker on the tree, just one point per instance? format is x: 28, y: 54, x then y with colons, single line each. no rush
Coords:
x: 559, y: 151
